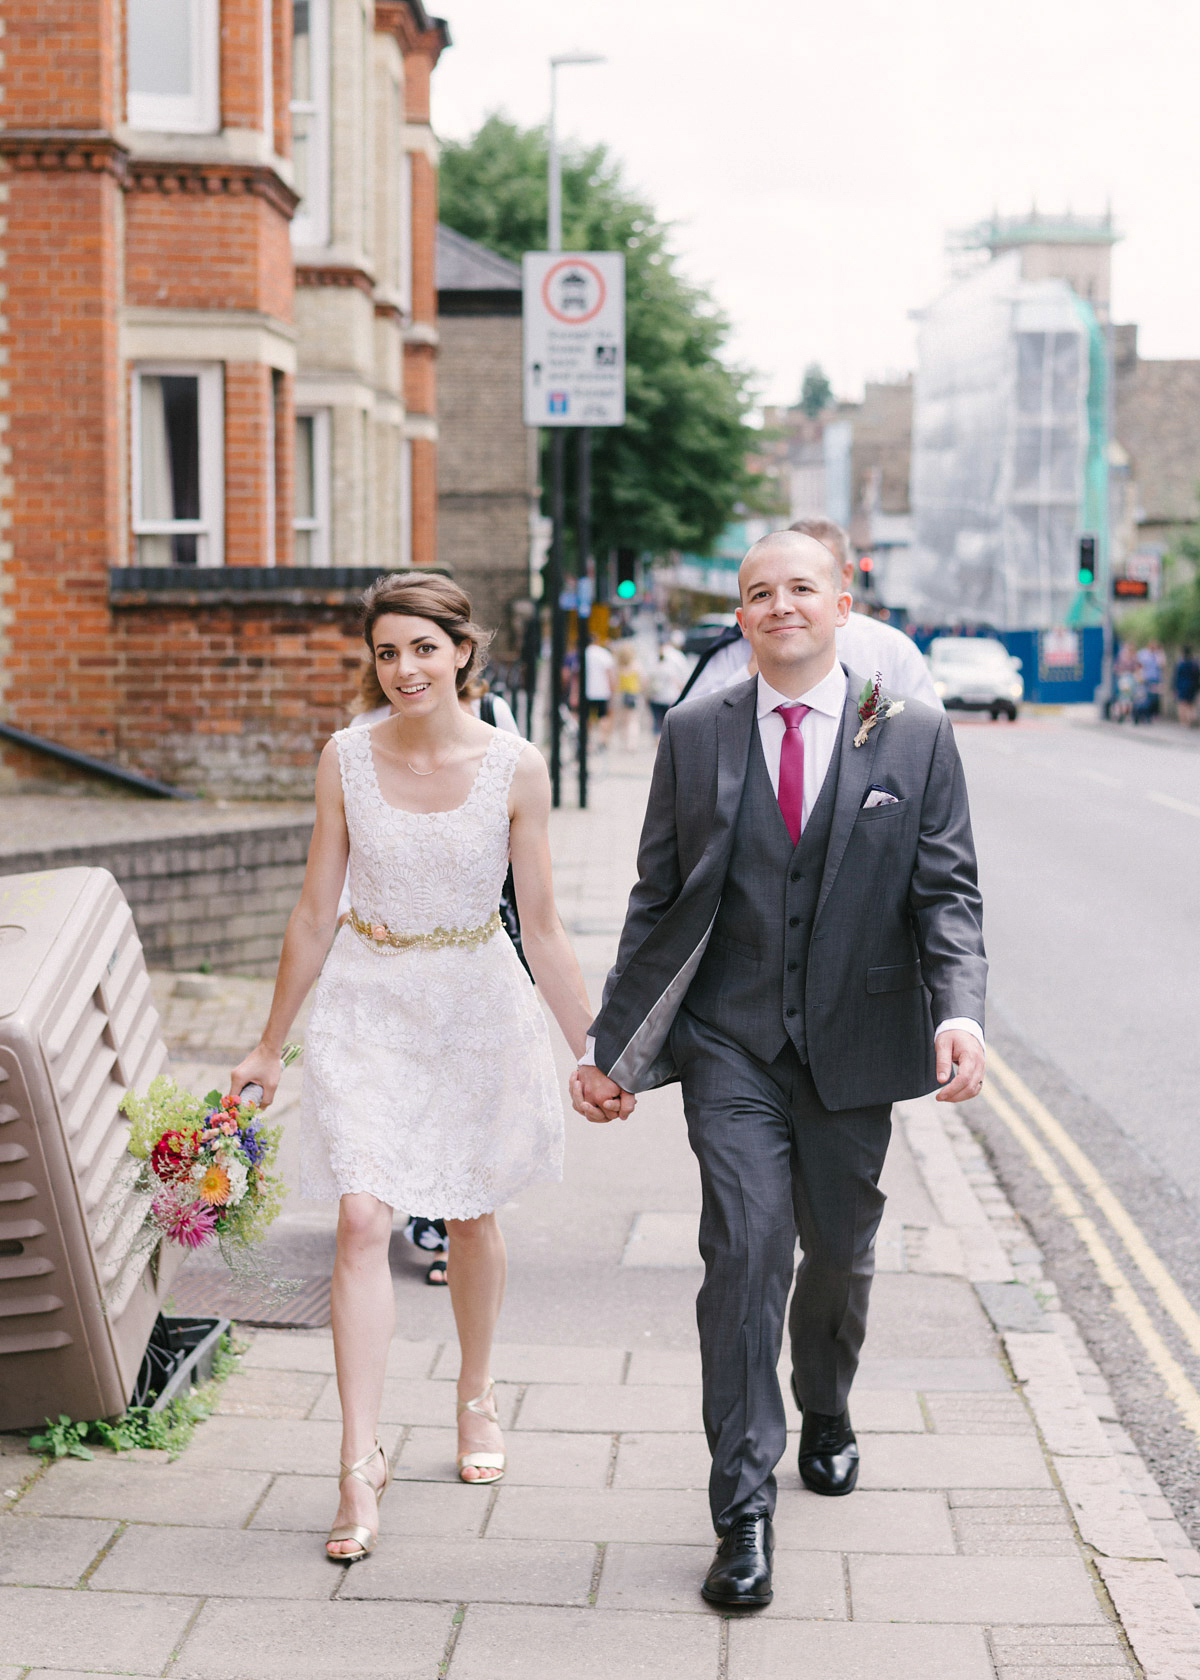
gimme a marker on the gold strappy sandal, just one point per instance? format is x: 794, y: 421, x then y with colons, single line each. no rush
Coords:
x: 363, y: 1538
x: 484, y: 1406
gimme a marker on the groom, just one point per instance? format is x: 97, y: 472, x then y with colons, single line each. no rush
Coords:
x: 803, y: 948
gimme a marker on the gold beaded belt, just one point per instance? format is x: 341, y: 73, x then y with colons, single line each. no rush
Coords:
x: 381, y: 939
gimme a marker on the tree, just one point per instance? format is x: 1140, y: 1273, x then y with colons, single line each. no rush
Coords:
x: 816, y: 393
x: 675, y: 473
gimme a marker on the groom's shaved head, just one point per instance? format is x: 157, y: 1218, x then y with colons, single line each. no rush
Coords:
x: 796, y: 545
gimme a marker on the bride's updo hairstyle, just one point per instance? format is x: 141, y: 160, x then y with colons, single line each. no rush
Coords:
x: 432, y: 597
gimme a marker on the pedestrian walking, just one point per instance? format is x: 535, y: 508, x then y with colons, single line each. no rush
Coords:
x: 803, y: 948
x: 629, y: 691
x: 428, y: 1078
x: 668, y: 677
x: 1151, y: 663
x: 599, y: 682
x: 863, y: 643
x: 1186, y: 683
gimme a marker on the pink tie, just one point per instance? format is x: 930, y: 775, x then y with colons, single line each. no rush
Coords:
x: 791, y: 768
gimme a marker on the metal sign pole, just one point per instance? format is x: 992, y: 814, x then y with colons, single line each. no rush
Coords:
x: 583, y: 490
x: 558, y: 639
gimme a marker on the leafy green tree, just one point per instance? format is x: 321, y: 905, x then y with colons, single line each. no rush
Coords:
x: 676, y: 472
x: 816, y: 393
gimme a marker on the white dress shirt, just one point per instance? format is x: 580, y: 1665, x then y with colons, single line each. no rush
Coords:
x: 819, y: 730
x: 865, y: 644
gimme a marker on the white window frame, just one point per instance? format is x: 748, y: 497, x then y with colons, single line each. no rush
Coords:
x: 310, y: 225
x: 198, y: 112
x: 268, y: 71
x: 210, y: 527
x: 317, y: 525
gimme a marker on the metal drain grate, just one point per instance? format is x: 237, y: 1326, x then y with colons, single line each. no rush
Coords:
x: 211, y: 1294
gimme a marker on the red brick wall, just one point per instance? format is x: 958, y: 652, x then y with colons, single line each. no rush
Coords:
x: 285, y: 463
x: 248, y: 404
x: 63, y: 512
x: 424, y: 502
x: 234, y: 700
x: 241, y: 63
x: 58, y: 63
x: 207, y: 250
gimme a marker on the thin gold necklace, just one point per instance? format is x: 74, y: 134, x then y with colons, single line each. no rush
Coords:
x: 436, y: 767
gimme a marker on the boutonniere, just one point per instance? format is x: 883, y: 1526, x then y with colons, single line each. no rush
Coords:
x: 874, y: 706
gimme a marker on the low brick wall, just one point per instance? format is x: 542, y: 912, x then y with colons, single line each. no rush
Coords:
x: 221, y: 898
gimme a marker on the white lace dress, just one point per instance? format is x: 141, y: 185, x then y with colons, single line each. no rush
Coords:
x: 428, y: 1077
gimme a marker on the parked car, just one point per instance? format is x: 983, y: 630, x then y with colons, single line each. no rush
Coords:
x: 704, y: 632
x: 976, y: 674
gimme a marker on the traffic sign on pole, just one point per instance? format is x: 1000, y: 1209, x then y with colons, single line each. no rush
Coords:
x: 574, y: 333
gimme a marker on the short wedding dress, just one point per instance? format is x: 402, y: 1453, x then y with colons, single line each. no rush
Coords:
x: 428, y: 1076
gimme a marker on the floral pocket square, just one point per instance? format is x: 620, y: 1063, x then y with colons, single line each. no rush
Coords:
x: 878, y: 796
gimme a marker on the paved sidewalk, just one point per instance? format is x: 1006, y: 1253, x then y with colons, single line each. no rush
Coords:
x: 1003, y: 1528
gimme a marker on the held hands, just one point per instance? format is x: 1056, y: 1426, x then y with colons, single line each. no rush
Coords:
x: 961, y: 1051
x: 261, y: 1067
x: 598, y: 1098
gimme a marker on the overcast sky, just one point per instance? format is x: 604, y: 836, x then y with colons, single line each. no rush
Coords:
x: 813, y: 158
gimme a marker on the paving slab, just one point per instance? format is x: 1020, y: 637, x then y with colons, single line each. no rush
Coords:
x: 979, y: 1375
x: 558, y: 1514
x: 49, y: 1551
x: 341, y: 1641
x: 1157, y: 1615
x: 666, y: 1366
x: 477, y: 1572
x: 610, y: 1408
x: 306, y: 1505
x: 761, y: 1649
x: 271, y: 1394
x: 279, y: 1445
x: 68, y: 1674
x: 920, y: 1317
x: 416, y: 1400
x: 956, y: 1413
x: 499, y: 1643
x: 663, y: 1240
x: 233, y: 1564
x: 866, y: 1522
x: 304, y: 1350
x: 121, y: 1631
x: 808, y: 1586
x: 535, y: 1458
x: 516, y: 1362
x: 952, y: 1461
x: 146, y: 1492
x: 972, y: 1589
x: 1060, y: 1653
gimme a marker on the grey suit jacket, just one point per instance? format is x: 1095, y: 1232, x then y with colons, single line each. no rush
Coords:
x: 897, y: 939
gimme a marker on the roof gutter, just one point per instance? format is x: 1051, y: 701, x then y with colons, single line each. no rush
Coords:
x: 97, y: 766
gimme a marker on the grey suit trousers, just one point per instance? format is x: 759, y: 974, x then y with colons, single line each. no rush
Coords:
x: 774, y: 1164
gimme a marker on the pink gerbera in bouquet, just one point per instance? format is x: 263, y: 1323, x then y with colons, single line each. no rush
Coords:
x: 205, y: 1169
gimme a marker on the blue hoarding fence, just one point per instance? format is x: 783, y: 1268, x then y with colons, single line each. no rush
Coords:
x: 1061, y: 666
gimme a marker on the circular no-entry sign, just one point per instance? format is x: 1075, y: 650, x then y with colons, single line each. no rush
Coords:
x: 574, y: 291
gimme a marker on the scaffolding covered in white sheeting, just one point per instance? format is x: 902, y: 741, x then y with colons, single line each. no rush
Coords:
x: 1001, y: 450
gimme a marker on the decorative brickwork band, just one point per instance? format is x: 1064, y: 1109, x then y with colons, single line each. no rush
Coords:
x: 335, y: 274
x: 62, y: 150
x: 254, y: 180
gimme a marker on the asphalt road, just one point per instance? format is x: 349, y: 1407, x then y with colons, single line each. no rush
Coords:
x: 1089, y: 841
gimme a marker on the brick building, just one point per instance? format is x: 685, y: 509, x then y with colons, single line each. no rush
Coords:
x: 488, y: 521
x: 219, y: 336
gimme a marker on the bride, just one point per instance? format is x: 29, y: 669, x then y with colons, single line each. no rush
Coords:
x: 428, y: 1079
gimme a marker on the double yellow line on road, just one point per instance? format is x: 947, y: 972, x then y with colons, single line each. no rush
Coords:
x: 1167, y: 1292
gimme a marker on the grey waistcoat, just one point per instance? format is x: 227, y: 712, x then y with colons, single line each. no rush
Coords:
x: 750, y: 984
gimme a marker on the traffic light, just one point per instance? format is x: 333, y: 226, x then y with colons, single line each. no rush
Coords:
x: 626, y: 574
x: 866, y: 566
x: 1087, y: 562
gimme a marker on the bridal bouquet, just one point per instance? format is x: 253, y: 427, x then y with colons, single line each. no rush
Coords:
x: 204, y: 1169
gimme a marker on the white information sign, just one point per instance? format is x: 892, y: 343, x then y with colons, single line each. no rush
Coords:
x: 574, y: 338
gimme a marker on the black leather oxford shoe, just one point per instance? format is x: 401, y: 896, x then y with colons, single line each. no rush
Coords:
x: 828, y: 1453
x: 741, y: 1571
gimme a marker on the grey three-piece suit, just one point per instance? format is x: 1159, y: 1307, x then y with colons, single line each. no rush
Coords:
x: 794, y: 991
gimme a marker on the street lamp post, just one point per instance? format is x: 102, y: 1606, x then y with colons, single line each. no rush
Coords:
x: 558, y: 624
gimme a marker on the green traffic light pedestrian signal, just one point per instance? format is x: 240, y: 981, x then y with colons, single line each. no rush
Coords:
x: 1087, y: 562
x: 627, y: 589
